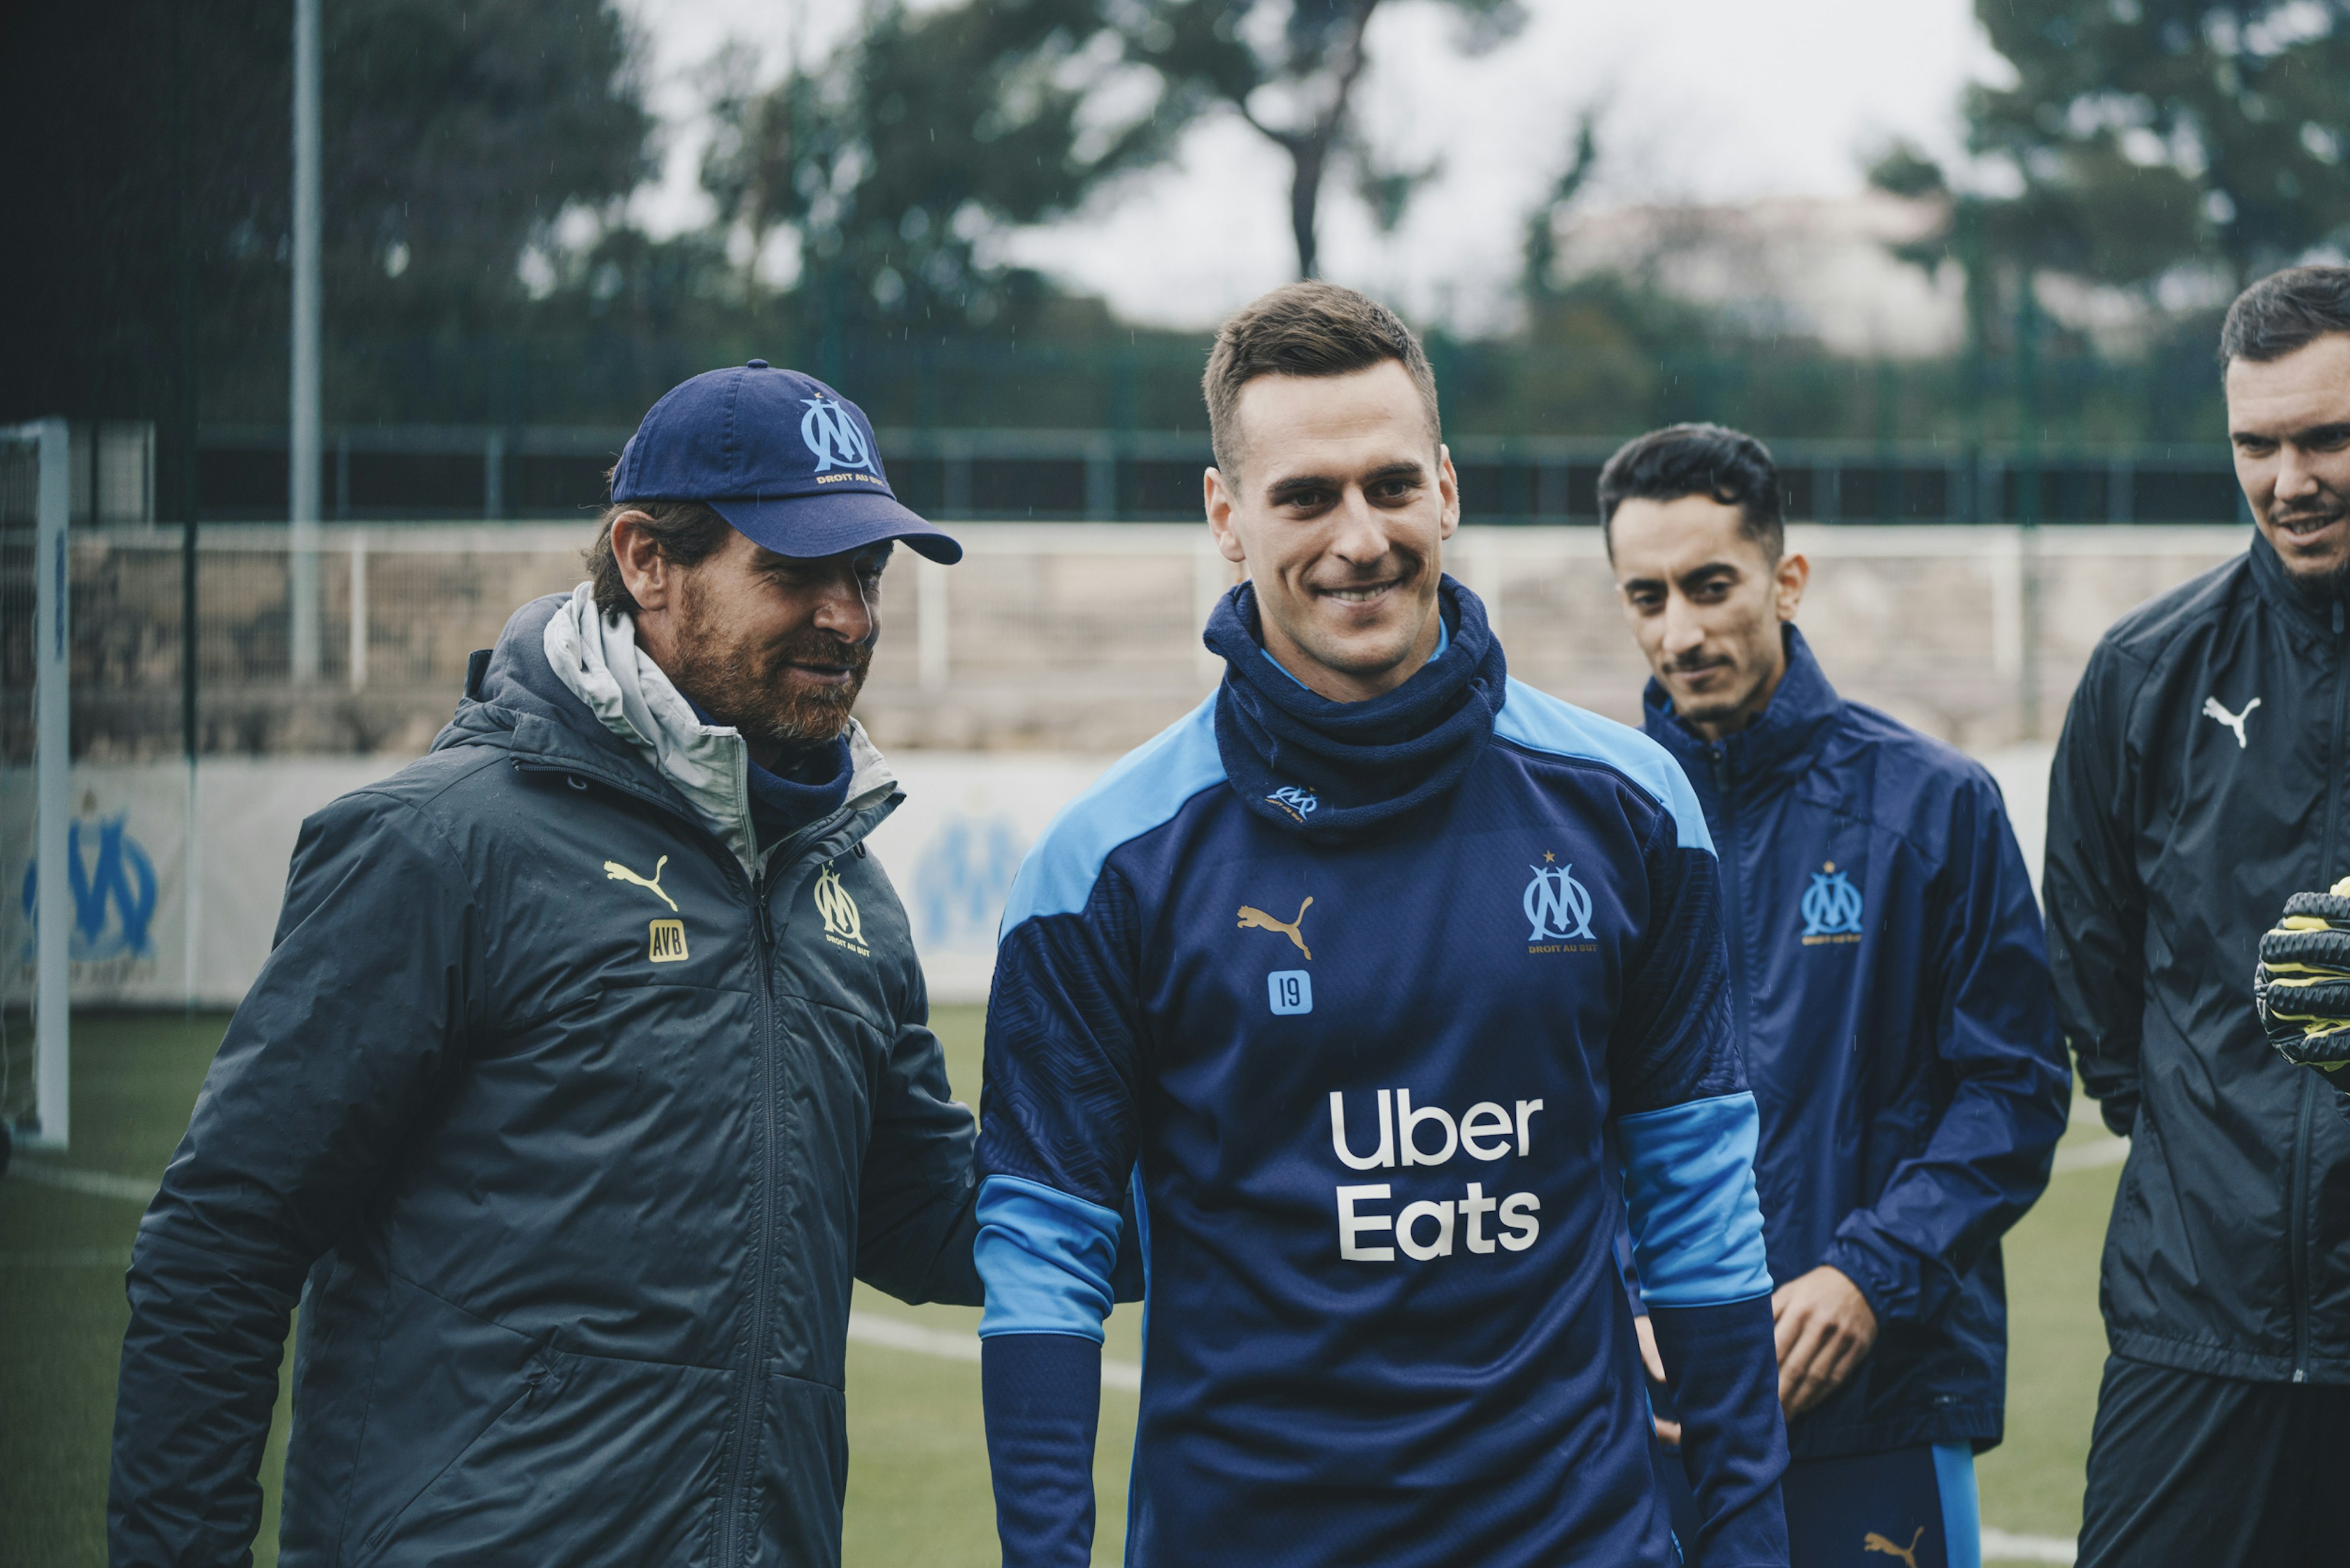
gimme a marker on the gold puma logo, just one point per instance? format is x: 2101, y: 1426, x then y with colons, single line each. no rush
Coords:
x: 1255, y: 918
x: 1872, y: 1541
x: 616, y: 872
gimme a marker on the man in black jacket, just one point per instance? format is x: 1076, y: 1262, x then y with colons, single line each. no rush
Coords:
x: 2203, y: 776
x: 588, y: 1068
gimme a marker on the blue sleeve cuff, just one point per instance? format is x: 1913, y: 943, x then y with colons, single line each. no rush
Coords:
x: 1722, y: 1367
x: 1043, y: 1395
x: 1046, y: 1259
x: 1689, y: 1187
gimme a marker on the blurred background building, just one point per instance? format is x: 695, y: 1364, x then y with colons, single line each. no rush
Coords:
x: 1963, y: 266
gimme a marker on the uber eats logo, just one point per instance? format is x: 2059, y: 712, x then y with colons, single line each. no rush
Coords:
x: 843, y: 926
x: 1429, y: 1228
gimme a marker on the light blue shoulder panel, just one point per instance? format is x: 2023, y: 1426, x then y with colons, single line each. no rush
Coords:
x: 1142, y: 789
x: 1541, y: 722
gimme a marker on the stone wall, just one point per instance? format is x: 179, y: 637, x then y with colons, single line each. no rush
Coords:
x: 1068, y: 637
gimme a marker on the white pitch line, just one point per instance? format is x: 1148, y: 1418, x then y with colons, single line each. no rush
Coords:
x: 1999, y: 1546
x: 891, y: 1334
x: 93, y: 1183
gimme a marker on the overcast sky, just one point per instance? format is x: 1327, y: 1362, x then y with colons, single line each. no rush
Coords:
x: 1704, y: 100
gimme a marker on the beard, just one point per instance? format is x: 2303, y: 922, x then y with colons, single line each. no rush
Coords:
x: 753, y: 687
x: 1715, y: 708
x: 2325, y: 583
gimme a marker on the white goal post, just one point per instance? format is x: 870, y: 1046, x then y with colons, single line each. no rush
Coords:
x: 51, y: 453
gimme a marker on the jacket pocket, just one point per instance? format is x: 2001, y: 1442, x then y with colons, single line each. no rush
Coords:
x: 571, y: 1458
x: 515, y: 1403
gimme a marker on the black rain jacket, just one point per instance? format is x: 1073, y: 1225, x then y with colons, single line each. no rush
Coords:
x: 2203, y: 778
x: 569, y: 1175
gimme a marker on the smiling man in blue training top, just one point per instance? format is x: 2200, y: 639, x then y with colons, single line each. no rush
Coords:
x: 1350, y: 974
x: 1891, y: 997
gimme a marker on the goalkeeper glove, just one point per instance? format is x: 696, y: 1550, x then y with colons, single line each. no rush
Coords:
x: 2302, y: 984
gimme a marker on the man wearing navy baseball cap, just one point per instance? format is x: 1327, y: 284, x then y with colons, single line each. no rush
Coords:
x: 589, y: 1069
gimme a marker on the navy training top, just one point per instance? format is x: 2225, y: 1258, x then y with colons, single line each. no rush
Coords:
x: 1363, y: 1092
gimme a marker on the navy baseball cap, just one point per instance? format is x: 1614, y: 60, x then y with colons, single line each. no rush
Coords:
x: 783, y: 457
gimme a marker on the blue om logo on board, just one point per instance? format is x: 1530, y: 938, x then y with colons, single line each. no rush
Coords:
x: 113, y: 899
x: 1832, y: 906
x: 965, y: 877
x: 1557, y: 906
x: 834, y: 437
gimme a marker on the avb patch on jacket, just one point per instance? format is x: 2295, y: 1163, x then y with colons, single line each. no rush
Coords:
x: 843, y: 926
x: 1831, y: 908
x: 666, y: 941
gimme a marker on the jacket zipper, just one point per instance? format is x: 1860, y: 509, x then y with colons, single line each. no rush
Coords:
x: 736, y: 1543
x: 2298, y: 1229
x: 734, y: 1497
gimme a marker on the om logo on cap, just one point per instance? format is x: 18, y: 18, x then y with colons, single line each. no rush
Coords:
x: 834, y: 437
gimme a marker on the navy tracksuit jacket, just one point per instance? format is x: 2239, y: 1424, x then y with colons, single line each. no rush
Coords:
x: 1890, y: 990
x: 1363, y: 1084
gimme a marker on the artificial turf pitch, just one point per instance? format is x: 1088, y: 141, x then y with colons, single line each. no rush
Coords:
x: 917, y: 1490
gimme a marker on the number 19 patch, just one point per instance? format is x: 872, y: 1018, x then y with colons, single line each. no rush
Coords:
x: 1290, y: 991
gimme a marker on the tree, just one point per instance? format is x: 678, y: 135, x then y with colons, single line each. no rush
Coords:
x: 1291, y: 71
x: 456, y: 133
x: 2147, y: 135
x: 1538, y: 267
x: 925, y: 140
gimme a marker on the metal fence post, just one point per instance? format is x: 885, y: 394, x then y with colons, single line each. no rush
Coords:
x: 954, y: 478
x: 53, y: 789
x: 930, y: 625
x: 302, y: 491
x: 493, y: 476
x: 2006, y: 564
x: 359, y: 655
x: 1101, y: 481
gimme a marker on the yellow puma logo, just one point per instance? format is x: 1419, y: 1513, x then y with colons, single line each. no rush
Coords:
x: 1872, y: 1541
x: 616, y: 872
x: 1255, y: 918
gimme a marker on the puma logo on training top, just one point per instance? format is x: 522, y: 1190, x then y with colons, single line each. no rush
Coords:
x: 1255, y: 918
x: 1872, y: 1541
x: 2212, y: 709
x: 616, y: 872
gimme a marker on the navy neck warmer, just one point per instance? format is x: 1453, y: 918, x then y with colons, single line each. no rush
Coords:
x: 812, y: 786
x: 1328, y: 770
